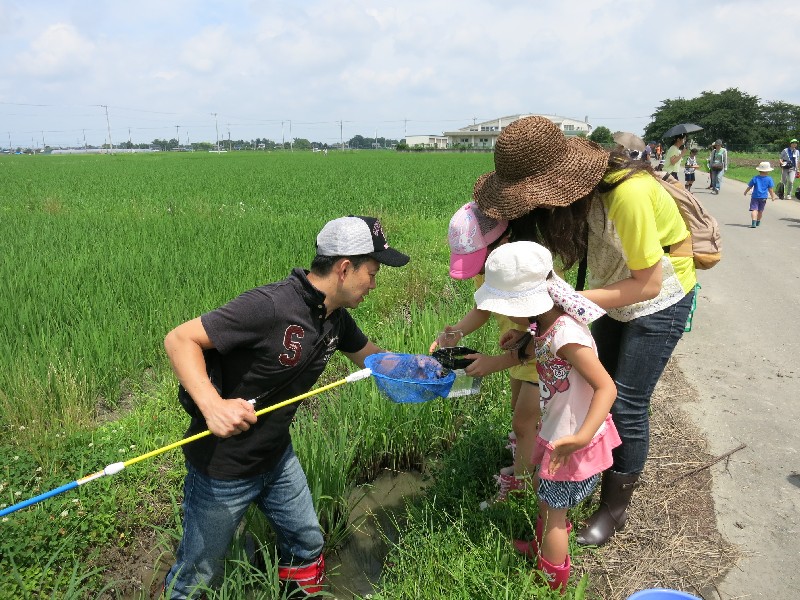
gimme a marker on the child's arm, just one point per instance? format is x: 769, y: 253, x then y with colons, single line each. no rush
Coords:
x: 484, y: 364
x: 585, y: 361
x: 749, y: 187
x: 473, y: 320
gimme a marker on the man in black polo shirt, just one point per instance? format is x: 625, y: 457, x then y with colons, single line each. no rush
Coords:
x: 276, y: 338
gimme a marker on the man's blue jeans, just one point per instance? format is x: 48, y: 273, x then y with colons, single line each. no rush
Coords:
x: 635, y: 354
x: 213, y: 509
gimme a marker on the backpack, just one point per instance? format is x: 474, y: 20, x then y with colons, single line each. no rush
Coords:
x: 706, y: 242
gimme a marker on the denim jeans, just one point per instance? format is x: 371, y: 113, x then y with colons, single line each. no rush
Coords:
x: 716, y: 179
x: 213, y: 508
x: 635, y: 354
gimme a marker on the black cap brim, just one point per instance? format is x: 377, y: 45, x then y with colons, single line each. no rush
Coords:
x: 390, y: 257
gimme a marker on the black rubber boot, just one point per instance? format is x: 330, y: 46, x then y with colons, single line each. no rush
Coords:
x: 615, y: 495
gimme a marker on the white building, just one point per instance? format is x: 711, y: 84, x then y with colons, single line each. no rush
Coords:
x: 484, y: 135
x: 435, y: 142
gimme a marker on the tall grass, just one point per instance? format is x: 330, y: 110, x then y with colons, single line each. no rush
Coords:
x: 105, y: 254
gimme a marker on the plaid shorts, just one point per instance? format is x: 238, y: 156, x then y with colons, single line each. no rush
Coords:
x: 566, y: 494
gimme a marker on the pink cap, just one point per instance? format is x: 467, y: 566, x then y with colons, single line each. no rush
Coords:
x: 470, y: 233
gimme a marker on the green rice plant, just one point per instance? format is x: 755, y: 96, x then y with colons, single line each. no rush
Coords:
x: 106, y: 254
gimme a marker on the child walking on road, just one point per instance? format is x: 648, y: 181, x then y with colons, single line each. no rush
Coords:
x: 472, y: 235
x: 690, y: 168
x: 577, y: 433
x: 762, y: 186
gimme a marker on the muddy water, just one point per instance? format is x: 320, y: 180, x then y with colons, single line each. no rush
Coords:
x: 355, y: 569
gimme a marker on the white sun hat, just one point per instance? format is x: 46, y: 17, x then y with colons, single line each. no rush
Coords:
x: 520, y: 282
x: 516, y: 281
x: 764, y: 167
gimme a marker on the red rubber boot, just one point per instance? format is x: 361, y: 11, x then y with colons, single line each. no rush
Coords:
x: 299, y: 582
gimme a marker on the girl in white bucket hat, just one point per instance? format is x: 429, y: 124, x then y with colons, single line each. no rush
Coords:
x: 577, y: 433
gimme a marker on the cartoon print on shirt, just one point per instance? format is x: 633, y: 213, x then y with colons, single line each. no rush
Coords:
x: 553, y: 378
x: 553, y: 370
x: 291, y: 341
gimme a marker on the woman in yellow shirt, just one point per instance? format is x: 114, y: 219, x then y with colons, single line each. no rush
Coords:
x: 580, y: 200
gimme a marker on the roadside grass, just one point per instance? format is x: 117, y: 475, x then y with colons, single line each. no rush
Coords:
x: 742, y: 165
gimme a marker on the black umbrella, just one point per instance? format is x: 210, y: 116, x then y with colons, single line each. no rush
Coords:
x: 681, y: 129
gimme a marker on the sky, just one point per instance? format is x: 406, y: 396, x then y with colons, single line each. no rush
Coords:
x: 326, y: 70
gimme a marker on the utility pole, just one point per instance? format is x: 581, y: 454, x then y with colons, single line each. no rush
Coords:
x: 283, y: 138
x: 178, y: 134
x: 216, y: 127
x: 108, y: 124
x: 10, y: 150
x: 84, y: 139
x: 405, y: 130
x: 291, y: 139
x: 341, y: 137
x: 376, y: 139
x: 129, y: 139
x: 230, y: 149
x: 43, y: 143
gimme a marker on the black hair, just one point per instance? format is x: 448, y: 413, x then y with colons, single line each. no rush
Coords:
x: 564, y: 229
x: 676, y: 138
x: 323, y: 265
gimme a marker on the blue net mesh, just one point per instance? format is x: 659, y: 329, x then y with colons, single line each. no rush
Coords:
x: 409, y: 377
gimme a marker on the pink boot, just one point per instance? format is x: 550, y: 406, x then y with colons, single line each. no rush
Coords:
x: 530, y: 548
x: 557, y: 575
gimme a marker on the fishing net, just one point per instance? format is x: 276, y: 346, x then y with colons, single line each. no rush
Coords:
x: 409, y: 378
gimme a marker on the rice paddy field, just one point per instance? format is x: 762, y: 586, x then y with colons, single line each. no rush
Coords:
x: 103, y: 255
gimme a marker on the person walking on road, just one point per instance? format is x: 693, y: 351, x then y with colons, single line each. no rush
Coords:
x: 278, y: 338
x: 674, y: 156
x: 761, y: 185
x: 690, y: 168
x: 717, y: 164
x: 612, y: 210
x: 790, y: 160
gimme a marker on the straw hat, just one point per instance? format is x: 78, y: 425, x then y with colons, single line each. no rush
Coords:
x: 535, y: 165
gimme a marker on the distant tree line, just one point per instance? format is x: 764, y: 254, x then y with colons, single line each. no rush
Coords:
x: 358, y: 142
x: 740, y: 120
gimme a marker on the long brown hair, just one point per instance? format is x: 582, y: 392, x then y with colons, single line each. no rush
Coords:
x: 563, y: 230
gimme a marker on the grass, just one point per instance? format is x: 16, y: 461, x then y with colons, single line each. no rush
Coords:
x: 105, y: 254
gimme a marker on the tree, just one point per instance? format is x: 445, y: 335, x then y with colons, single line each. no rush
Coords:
x: 779, y: 122
x: 302, y: 144
x: 602, y: 135
x: 730, y: 115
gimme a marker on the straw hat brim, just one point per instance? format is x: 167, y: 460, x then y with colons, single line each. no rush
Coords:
x: 577, y: 173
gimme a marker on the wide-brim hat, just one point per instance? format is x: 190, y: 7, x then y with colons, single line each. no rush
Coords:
x: 536, y: 165
x: 764, y: 167
x: 516, y: 281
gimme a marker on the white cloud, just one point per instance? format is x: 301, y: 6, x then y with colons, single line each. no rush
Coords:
x: 439, y: 64
x: 59, y: 51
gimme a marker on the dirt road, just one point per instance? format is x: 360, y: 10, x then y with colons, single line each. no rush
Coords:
x: 743, y: 357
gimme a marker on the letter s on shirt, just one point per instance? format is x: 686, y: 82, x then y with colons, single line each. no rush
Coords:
x: 291, y: 341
